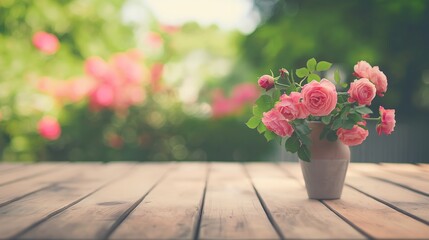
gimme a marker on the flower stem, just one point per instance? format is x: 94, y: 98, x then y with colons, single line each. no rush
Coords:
x: 342, y: 93
x: 281, y: 84
x: 374, y: 119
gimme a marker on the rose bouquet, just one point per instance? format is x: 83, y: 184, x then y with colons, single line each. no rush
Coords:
x: 290, y: 103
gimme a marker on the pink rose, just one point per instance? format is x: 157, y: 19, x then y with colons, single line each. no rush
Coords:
x: 49, y: 128
x: 352, y: 137
x: 362, y: 69
x: 319, y: 98
x: 291, y: 106
x: 387, y: 122
x: 275, y: 122
x: 46, y: 42
x: 362, y: 91
x: 266, y: 82
x: 103, y: 96
x: 379, y: 79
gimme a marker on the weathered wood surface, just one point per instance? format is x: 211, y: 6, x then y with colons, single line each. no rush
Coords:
x: 208, y: 201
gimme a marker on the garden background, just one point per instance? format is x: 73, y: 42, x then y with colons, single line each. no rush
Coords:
x: 186, y: 71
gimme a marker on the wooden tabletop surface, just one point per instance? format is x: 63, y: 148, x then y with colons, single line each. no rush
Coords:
x: 208, y: 201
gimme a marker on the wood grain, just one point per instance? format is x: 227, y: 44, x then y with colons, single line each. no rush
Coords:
x: 375, y: 171
x: 374, y: 218
x: 232, y: 209
x: 297, y: 216
x: 170, y: 211
x: 412, y: 203
x: 19, y: 216
x: 377, y: 219
x: 17, y: 190
x: 95, y: 215
x: 26, y: 172
x: 409, y: 170
x: 9, y: 166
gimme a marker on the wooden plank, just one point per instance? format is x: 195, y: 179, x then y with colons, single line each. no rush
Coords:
x: 171, y: 209
x: 95, y: 215
x: 26, y: 172
x: 424, y: 166
x: 18, y: 217
x: 5, y: 166
x: 404, y: 200
x: 17, y: 190
x: 377, y: 219
x: 297, y: 216
x: 371, y: 216
x: 375, y: 171
x: 232, y: 209
x: 406, y: 169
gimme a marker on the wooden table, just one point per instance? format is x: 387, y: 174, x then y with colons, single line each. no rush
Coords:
x: 208, y: 201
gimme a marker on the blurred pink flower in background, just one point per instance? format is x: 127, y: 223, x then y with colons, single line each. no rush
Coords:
x: 170, y: 28
x: 154, y: 40
x: 46, y: 42
x: 49, y: 128
x: 155, y: 76
x: 119, y: 83
x: 242, y: 95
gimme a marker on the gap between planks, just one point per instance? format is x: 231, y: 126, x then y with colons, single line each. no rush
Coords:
x: 371, y: 216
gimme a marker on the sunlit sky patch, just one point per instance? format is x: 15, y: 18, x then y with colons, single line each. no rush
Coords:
x: 227, y: 14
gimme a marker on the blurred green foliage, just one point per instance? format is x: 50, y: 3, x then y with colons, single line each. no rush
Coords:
x: 392, y: 34
x: 164, y: 127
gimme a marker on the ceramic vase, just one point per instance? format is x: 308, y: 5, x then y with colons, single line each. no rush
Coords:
x: 324, y: 175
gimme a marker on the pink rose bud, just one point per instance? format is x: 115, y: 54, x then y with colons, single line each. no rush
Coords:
x: 320, y: 98
x: 352, y: 137
x: 46, y: 42
x: 362, y: 91
x: 266, y: 82
x: 362, y: 69
x: 291, y: 106
x: 283, y: 72
x: 387, y: 122
x: 275, y: 122
x: 379, y: 79
x: 49, y: 128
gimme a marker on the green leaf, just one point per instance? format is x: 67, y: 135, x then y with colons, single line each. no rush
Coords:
x: 276, y: 94
x: 261, y: 128
x: 324, y: 132
x: 332, y: 136
x: 303, y: 128
x: 355, y: 117
x: 337, y: 123
x: 363, y: 126
x: 326, y: 119
x: 337, y: 77
x: 265, y: 103
x: 344, y: 85
x: 302, y: 72
x: 253, y: 122
x: 323, y: 66
x: 345, y: 112
x: 312, y: 77
x: 269, y: 135
x: 311, y: 64
x: 304, y: 153
x: 348, y: 124
x: 292, y: 144
x: 363, y: 110
x: 257, y: 111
